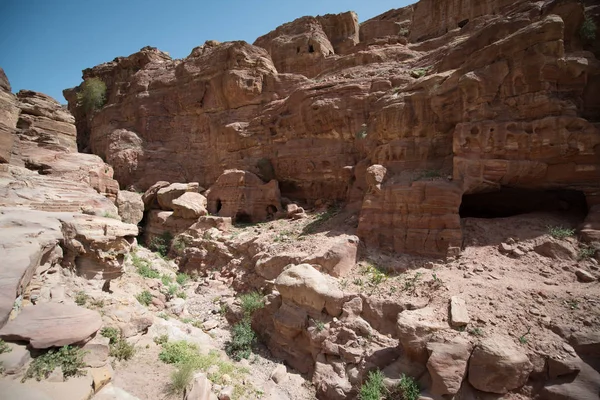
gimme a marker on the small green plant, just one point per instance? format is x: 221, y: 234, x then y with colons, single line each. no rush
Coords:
x: 145, y: 298
x: 121, y: 349
x: 143, y: 268
x: 375, y: 275
x: 319, y: 325
x: 373, y: 388
x: 523, y: 338
x: 179, y: 244
x: 410, y: 284
x: 178, y: 352
x: 476, y: 331
x: 223, y: 309
x: 586, y: 252
x: 106, y: 214
x: 81, y: 298
x: 408, y: 388
x: 588, y: 29
x: 181, y: 377
x: 96, y: 303
x: 163, y: 315
x: 162, y: 339
x: 560, y: 232
x: 242, y: 339
x: 572, y: 304
x: 92, y: 95
x: 113, y: 334
x: 437, y: 282
x: 251, y: 302
x: 162, y: 243
x: 419, y: 72
x: 69, y: 359
x: 4, y: 348
x: 182, y: 278
x: 182, y: 295
x: 166, y: 280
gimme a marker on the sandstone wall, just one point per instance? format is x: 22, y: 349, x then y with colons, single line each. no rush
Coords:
x: 450, y: 97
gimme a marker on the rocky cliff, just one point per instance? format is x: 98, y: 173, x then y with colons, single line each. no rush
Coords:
x: 441, y: 98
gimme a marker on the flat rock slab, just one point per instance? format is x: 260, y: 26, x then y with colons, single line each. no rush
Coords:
x: 52, y: 324
x: 13, y: 360
x: 459, y: 315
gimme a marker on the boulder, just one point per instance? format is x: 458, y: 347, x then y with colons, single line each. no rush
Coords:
x: 150, y: 198
x: 307, y: 287
x: 497, y: 365
x: 557, y: 249
x: 111, y: 392
x: 166, y: 195
x: 52, y: 325
x: 199, y: 389
x: 189, y: 205
x: 131, y: 206
x: 13, y: 360
x: 414, y: 329
x: 338, y: 258
x: 447, y: 365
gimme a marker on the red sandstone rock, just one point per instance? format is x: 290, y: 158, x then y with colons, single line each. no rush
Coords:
x: 244, y: 197
x: 491, y: 94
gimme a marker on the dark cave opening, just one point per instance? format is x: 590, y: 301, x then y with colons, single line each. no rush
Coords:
x: 311, y: 49
x: 219, y: 205
x: 508, y: 202
x: 242, y: 218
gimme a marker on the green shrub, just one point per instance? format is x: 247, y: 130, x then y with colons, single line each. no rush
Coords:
x: 182, y: 278
x: 408, y: 388
x: 162, y: 243
x: 181, y: 377
x: 166, y: 280
x: 143, y: 268
x: 113, y: 334
x: 69, y: 359
x: 242, y: 339
x: 144, y: 298
x: 162, y: 339
x: 92, y: 95
x: 182, y: 295
x: 81, y: 298
x: 251, y: 302
x: 588, y: 29
x: 560, y: 232
x: 178, y: 352
x: 586, y: 252
x: 122, y: 349
x: 373, y: 388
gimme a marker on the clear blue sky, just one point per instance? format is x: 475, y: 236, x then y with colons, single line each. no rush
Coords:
x: 44, y: 44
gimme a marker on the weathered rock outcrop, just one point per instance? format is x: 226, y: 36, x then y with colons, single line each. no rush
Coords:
x: 451, y: 98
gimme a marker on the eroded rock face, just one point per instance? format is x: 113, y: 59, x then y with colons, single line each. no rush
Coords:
x: 244, y: 197
x: 448, y: 98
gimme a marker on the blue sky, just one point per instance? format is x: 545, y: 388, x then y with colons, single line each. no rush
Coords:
x: 44, y: 44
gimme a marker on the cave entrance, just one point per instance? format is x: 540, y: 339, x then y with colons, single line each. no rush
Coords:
x: 508, y: 202
x: 242, y: 218
x: 219, y: 205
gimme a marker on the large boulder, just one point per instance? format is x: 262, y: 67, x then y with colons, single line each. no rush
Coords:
x: 447, y: 365
x: 150, y: 198
x: 52, y: 325
x: 497, y: 365
x: 414, y: 329
x: 131, y: 206
x: 189, y: 205
x: 166, y: 195
x: 304, y: 285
